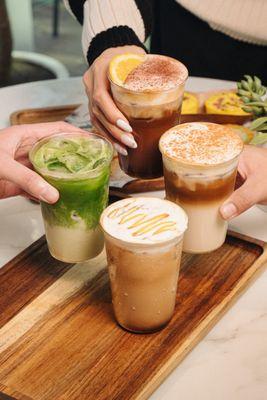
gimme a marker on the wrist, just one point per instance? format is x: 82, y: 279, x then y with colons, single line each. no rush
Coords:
x: 116, y: 39
x: 112, y: 51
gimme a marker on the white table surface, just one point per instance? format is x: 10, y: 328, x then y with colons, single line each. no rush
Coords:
x: 230, y: 363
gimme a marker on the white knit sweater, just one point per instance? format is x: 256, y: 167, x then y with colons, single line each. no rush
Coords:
x: 244, y: 20
x: 241, y: 19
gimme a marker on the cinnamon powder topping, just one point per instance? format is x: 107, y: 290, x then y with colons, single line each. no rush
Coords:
x: 201, y: 143
x: 156, y: 73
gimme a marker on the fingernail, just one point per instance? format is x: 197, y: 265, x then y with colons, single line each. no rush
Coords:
x: 228, y: 210
x: 120, y: 149
x: 49, y: 195
x: 128, y: 140
x: 124, y: 125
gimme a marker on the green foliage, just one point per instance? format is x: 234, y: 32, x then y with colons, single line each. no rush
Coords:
x: 254, y: 95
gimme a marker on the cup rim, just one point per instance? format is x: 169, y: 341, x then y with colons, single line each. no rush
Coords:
x: 64, y: 175
x: 138, y: 244
x: 194, y: 164
x: 153, y: 91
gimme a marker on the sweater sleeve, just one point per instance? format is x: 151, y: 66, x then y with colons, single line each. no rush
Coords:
x: 111, y: 23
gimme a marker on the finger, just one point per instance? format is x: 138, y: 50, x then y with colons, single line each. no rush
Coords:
x: 27, y: 180
x: 88, y: 83
x: 29, y: 197
x: 101, y: 129
x: 103, y: 99
x: 8, y: 189
x: 96, y: 99
x: 250, y: 193
x: 118, y: 134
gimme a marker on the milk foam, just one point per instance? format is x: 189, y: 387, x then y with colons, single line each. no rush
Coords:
x: 156, y: 73
x: 201, y: 143
x: 144, y: 220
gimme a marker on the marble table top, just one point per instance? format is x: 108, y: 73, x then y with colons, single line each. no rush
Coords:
x: 231, y: 361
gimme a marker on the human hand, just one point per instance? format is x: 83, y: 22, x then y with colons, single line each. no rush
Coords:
x: 253, y: 169
x: 16, y: 176
x: 104, y: 114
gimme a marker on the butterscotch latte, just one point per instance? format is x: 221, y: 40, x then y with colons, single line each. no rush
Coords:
x: 143, y: 239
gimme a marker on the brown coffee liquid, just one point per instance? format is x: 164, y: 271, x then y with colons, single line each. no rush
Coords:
x: 143, y: 285
x: 145, y: 161
x: 193, y: 191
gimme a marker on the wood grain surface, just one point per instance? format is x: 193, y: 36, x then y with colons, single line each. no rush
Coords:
x: 44, y: 114
x: 50, y: 114
x: 58, y: 337
x: 59, y: 340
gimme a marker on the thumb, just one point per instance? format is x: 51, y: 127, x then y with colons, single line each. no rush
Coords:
x: 242, y: 199
x: 27, y: 180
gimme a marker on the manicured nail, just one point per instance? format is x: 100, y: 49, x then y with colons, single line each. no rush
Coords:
x: 228, y: 210
x: 120, y: 149
x: 128, y: 140
x: 48, y: 194
x: 124, y: 125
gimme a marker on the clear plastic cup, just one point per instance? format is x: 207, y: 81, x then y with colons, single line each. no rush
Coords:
x: 201, y: 187
x: 72, y: 224
x: 143, y: 272
x: 150, y: 113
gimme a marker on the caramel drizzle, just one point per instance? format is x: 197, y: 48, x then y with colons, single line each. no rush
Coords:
x: 141, y: 222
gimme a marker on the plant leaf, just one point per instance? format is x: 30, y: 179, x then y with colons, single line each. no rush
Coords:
x: 257, y: 123
x: 260, y: 138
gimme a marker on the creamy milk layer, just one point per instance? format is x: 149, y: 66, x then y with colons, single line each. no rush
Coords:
x: 144, y: 220
x: 158, y: 81
x: 201, y: 144
x: 206, y: 228
x: 74, y: 245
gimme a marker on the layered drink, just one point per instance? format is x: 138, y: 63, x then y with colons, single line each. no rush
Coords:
x: 77, y: 165
x: 143, y: 238
x: 150, y: 97
x: 200, y: 164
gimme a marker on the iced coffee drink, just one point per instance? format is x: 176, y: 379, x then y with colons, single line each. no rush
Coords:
x: 150, y: 96
x: 77, y: 166
x: 143, y: 238
x: 200, y: 164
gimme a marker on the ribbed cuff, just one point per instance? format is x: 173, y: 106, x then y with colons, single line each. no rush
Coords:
x: 112, y: 37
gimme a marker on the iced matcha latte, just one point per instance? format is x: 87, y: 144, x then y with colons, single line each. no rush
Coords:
x: 78, y: 167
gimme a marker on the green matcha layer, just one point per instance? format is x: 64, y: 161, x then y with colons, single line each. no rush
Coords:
x: 72, y: 155
x: 79, y: 169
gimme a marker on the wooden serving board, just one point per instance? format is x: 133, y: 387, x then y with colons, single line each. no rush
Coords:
x: 59, y: 340
x: 44, y: 114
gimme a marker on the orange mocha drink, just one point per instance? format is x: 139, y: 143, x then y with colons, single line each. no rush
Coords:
x: 200, y: 164
x: 143, y: 238
x: 150, y: 98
